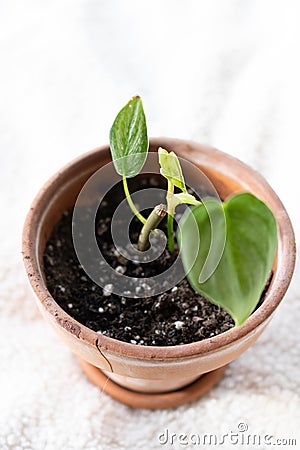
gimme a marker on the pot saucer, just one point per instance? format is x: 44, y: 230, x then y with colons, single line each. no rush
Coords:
x: 152, y: 401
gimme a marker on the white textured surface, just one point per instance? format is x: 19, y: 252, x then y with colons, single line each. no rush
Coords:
x: 223, y: 72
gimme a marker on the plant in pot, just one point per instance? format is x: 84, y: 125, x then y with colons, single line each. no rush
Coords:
x: 153, y: 309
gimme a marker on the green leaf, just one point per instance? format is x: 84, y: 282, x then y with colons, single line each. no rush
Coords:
x: 128, y: 139
x: 171, y: 169
x: 185, y: 198
x: 180, y: 199
x: 244, y: 265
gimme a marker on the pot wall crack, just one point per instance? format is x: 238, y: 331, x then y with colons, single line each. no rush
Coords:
x: 100, y: 351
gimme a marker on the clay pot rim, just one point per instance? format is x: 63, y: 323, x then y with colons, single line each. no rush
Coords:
x: 280, y: 282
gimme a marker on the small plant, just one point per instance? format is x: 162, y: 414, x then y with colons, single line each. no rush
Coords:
x: 244, y: 266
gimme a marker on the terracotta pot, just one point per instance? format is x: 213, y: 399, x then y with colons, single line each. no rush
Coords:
x: 154, y: 377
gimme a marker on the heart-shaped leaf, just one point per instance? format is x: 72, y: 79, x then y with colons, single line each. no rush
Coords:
x: 242, y: 256
x: 128, y: 139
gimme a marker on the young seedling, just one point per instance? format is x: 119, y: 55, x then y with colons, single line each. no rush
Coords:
x: 129, y: 147
x: 171, y: 170
x: 244, y: 266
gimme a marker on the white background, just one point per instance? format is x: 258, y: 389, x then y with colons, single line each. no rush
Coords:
x: 225, y: 73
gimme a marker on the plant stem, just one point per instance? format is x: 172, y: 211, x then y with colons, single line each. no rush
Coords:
x: 130, y: 202
x: 152, y: 222
x: 170, y: 221
x: 170, y: 233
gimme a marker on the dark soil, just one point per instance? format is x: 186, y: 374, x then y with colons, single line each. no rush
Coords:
x: 177, y: 316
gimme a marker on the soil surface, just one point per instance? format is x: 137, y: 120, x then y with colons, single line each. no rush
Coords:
x: 177, y: 316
